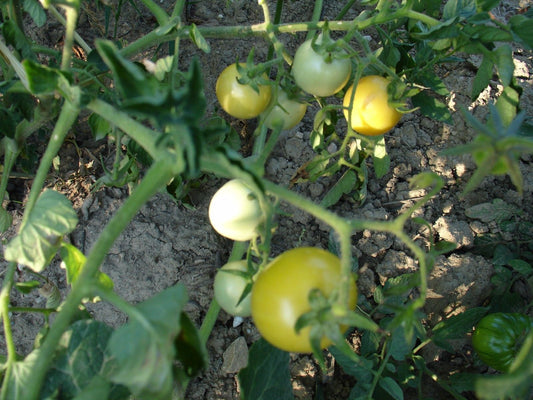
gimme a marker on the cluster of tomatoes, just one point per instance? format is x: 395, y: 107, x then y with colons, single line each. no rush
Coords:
x: 318, y: 73
x: 279, y: 293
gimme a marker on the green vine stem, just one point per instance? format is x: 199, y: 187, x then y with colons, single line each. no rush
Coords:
x: 261, y: 29
x: 67, y: 118
x: 71, y: 14
x: 57, y: 15
x: 156, y: 177
x: 7, y: 285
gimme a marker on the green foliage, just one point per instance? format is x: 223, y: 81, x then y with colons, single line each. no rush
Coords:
x: 155, y: 114
x: 40, y: 238
x: 267, y: 374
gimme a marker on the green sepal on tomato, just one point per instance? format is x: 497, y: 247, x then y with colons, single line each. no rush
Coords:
x: 280, y: 295
x: 243, y: 101
x: 498, y: 338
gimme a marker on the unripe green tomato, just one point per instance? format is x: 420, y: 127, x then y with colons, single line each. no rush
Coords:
x: 370, y: 113
x: 499, y: 336
x: 286, y: 112
x: 240, y: 101
x: 229, y: 288
x: 235, y: 212
x: 316, y: 75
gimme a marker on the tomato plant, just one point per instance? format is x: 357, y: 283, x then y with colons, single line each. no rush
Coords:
x: 320, y: 73
x: 235, y: 212
x: 368, y: 110
x: 230, y: 283
x: 285, y: 112
x: 240, y: 100
x: 498, y: 338
x: 280, y: 295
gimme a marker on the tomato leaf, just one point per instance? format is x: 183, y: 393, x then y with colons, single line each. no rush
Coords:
x: 190, y: 350
x: 79, y: 362
x: 522, y: 27
x: 381, y: 158
x: 267, y: 375
x: 504, y: 63
x: 432, y: 107
x: 344, y: 185
x: 73, y: 261
x: 483, y: 76
x: 39, y: 239
x: 457, y: 326
x: 198, y: 39
x: 143, y: 349
x: 391, y: 387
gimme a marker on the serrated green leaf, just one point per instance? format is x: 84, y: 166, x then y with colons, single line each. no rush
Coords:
x: 73, y: 261
x: 457, y: 326
x: 344, y: 185
x: 39, y: 239
x: 507, y: 105
x: 41, y: 79
x: 27, y: 287
x: 5, y: 220
x: 391, y: 387
x: 521, y: 266
x: 353, y: 364
x: 267, y: 375
x: 190, y: 350
x: 36, y: 11
x: 79, y: 362
x: 504, y: 63
x: 522, y: 27
x: 143, y: 350
x: 381, y: 158
x: 100, y: 127
x: 498, y: 210
x: 483, y: 76
x: 15, y: 386
x: 432, y: 107
x: 198, y: 39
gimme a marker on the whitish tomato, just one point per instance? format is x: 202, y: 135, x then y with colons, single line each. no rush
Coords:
x: 280, y: 295
x: 371, y: 113
x: 286, y: 113
x: 229, y: 287
x: 318, y: 75
x: 238, y: 100
x: 234, y: 211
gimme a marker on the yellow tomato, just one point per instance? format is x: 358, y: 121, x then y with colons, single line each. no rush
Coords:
x: 280, y: 295
x: 370, y: 113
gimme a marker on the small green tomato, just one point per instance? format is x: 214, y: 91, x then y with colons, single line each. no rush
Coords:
x: 229, y: 288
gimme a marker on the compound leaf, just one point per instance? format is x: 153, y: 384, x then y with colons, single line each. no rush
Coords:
x: 39, y: 239
x: 267, y: 375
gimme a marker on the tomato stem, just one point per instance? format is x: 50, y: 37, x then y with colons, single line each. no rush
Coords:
x: 156, y: 177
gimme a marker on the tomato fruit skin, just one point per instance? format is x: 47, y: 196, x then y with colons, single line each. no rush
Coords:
x: 286, y: 113
x: 370, y: 113
x: 235, y: 212
x: 280, y: 295
x: 498, y: 337
x: 229, y: 287
x: 317, y: 76
x: 240, y: 101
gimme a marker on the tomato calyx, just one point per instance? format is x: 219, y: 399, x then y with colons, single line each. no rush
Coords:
x: 254, y: 75
x: 330, y: 49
